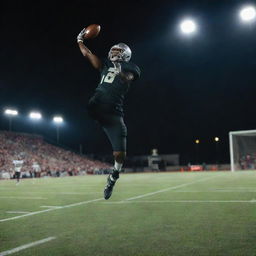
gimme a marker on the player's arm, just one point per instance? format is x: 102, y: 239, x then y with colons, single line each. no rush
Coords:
x: 94, y: 60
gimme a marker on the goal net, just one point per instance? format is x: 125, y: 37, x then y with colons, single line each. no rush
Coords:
x: 242, y: 146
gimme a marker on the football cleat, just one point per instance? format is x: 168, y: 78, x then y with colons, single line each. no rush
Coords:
x: 112, y: 178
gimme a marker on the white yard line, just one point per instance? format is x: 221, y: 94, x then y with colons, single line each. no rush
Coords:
x: 183, y: 201
x: 25, y: 246
x: 169, y: 189
x: 50, y: 206
x: 51, y: 209
x: 22, y: 197
x: 17, y: 212
x: 217, y: 191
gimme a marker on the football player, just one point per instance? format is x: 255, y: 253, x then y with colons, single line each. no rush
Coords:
x: 17, y: 167
x: 106, y: 105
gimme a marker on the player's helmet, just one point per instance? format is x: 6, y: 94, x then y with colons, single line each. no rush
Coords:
x: 120, y: 52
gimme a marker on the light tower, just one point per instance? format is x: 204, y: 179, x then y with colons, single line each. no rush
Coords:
x: 197, y: 142
x: 10, y: 113
x: 35, y: 116
x: 58, y: 120
x: 217, y: 140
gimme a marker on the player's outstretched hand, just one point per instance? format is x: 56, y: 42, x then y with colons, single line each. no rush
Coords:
x: 80, y: 37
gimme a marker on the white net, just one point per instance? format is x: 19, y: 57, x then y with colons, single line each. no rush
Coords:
x: 242, y: 150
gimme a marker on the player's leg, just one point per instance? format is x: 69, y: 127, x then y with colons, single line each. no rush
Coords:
x: 114, y: 175
x: 119, y: 158
x: 116, y: 131
x: 18, y: 177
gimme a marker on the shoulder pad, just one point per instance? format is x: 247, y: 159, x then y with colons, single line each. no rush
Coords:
x: 131, y: 67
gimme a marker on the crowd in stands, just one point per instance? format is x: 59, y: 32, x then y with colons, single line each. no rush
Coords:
x: 41, y: 158
x: 248, y: 162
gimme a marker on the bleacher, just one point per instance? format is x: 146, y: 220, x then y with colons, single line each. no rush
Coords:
x: 41, y: 158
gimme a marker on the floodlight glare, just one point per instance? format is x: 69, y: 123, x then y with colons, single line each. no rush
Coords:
x: 217, y: 139
x: 35, y: 115
x: 11, y: 112
x: 197, y: 141
x: 188, y: 26
x: 248, y: 14
x: 58, y: 119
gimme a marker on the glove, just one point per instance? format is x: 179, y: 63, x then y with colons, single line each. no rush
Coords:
x: 80, y: 37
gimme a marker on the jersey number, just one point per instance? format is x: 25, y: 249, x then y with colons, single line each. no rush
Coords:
x: 109, y: 77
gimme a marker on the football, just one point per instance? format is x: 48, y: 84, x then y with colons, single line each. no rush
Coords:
x: 92, y: 31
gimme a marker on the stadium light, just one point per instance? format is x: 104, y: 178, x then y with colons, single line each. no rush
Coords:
x: 35, y: 115
x: 188, y: 26
x: 57, y: 120
x: 217, y: 139
x: 248, y: 14
x: 10, y: 113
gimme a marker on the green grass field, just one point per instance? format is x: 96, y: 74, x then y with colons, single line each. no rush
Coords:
x: 206, y: 213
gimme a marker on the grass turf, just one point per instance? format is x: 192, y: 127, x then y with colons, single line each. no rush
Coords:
x: 205, y: 213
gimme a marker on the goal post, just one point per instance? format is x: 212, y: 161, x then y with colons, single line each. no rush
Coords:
x: 242, y: 146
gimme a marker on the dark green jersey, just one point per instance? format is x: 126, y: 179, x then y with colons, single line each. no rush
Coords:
x: 112, y: 88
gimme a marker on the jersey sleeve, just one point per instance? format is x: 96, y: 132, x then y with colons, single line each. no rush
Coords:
x: 134, y: 69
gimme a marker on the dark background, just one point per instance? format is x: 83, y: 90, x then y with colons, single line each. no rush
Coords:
x: 198, y: 87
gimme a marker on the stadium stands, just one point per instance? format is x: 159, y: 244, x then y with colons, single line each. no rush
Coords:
x: 41, y: 158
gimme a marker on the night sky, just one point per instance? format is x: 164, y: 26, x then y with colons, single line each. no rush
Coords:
x: 191, y: 87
